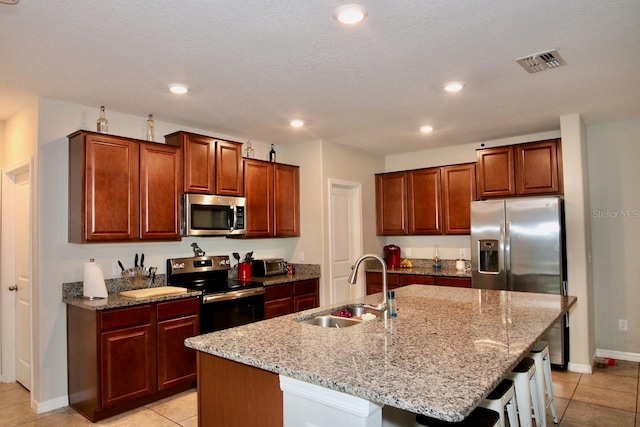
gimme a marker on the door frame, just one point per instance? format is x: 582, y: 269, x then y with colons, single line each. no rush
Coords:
x: 7, y: 263
x: 355, y: 190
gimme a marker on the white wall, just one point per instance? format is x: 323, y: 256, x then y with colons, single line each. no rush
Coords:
x: 614, y: 172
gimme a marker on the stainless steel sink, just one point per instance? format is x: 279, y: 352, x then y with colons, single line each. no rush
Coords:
x: 342, y: 317
x: 331, y: 321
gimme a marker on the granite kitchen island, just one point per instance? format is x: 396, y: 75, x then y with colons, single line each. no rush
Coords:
x: 445, y: 351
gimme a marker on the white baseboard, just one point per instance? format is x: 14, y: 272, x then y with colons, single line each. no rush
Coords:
x: 580, y: 368
x: 49, y: 405
x: 618, y: 355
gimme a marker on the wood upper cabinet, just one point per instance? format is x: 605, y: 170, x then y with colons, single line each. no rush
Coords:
x: 211, y: 165
x: 229, y: 168
x: 272, y: 192
x: 122, y: 189
x: 424, y: 201
x: 520, y: 170
x: 427, y: 201
x: 103, y: 188
x: 160, y: 190
x: 391, y: 204
x: 258, y: 190
x: 199, y: 153
x: 496, y: 172
x: 458, y: 191
x: 286, y: 180
x: 539, y: 168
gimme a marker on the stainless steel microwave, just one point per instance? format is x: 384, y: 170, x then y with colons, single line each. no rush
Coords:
x: 205, y: 215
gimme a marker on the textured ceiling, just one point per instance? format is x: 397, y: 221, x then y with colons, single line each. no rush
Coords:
x: 254, y: 65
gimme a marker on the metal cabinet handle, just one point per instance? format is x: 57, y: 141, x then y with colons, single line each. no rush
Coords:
x: 13, y: 288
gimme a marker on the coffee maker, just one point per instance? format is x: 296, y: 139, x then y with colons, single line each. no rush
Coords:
x: 392, y: 256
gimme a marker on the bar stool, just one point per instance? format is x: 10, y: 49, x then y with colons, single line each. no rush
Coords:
x: 526, y: 383
x: 540, y: 355
x: 479, y: 417
x: 503, y: 397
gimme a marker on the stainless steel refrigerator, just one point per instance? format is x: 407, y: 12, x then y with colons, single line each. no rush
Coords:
x: 518, y: 245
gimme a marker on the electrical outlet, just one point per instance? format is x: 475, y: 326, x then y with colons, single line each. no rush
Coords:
x: 301, y: 256
x: 463, y: 253
x: 115, y: 269
x: 622, y: 324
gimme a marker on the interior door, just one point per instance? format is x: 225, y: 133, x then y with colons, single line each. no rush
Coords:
x: 346, y: 240
x: 22, y: 275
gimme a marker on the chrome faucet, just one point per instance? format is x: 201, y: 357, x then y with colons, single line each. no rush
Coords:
x: 384, y: 306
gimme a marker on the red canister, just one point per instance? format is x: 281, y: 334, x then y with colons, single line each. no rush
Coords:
x: 392, y: 256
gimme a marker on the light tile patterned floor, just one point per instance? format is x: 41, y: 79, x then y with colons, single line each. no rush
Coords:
x: 608, y: 397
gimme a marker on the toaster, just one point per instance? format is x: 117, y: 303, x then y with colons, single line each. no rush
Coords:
x: 268, y: 267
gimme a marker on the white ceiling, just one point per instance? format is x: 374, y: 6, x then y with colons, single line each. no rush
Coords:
x: 254, y: 65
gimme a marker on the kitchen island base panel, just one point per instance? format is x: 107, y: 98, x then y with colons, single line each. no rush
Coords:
x: 308, y: 404
x: 233, y: 394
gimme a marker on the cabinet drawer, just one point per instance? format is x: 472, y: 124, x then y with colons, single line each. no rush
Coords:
x: 179, y: 308
x: 305, y: 287
x: 410, y: 279
x: 125, y: 317
x: 274, y: 292
x: 458, y: 282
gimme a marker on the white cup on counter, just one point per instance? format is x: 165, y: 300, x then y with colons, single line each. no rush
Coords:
x: 460, y: 265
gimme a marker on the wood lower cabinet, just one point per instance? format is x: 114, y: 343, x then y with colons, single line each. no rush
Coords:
x: 122, y: 358
x: 396, y: 280
x: 520, y: 170
x: 291, y: 297
x: 211, y: 165
x: 272, y: 192
x: 122, y: 189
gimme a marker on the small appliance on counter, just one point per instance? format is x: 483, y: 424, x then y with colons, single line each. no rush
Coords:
x: 268, y: 267
x: 392, y: 256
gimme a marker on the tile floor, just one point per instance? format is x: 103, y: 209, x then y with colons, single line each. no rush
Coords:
x: 608, y: 397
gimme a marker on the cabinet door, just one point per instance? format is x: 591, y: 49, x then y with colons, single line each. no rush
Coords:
x: 176, y: 362
x: 305, y: 302
x: 538, y: 168
x: 425, y: 216
x: 458, y: 190
x: 391, y: 204
x: 160, y: 190
x: 258, y: 188
x: 277, y: 308
x: 495, y: 173
x: 229, y: 168
x: 287, y: 200
x: 199, y: 161
x: 103, y: 188
x: 128, y: 364
x: 305, y: 295
x: 458, y: 282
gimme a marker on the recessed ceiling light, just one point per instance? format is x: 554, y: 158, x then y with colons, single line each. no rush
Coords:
x: 350, y: 14
x: 178, y: 89
x: 426, y: 129
x: 296, y: 123
x: 453, y: 87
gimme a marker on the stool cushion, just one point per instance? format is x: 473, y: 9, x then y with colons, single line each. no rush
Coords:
x: 540, y: 345
x: 500, y: 390
x: 480, y: 417
x: 524, y: 365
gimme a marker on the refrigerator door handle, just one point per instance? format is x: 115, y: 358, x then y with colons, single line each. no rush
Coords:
x: 506, y: 239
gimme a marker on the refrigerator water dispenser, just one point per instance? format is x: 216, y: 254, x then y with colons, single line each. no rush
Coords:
x: 488, y: 256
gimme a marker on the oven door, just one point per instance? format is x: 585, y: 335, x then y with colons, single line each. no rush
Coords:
x: 229, y: 309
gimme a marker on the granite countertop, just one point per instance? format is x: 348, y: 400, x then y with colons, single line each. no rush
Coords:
x: 446, y: 350
x: 284, y: 278
x: 114, y: 300
x: 423, y: 271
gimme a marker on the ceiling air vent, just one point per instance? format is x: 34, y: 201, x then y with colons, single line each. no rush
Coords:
x: 541, y: 61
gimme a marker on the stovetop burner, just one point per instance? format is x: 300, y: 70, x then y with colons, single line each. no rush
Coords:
x: 208, y: 274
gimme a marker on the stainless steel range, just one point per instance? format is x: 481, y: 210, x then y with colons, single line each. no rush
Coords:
x: 225, y: 302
